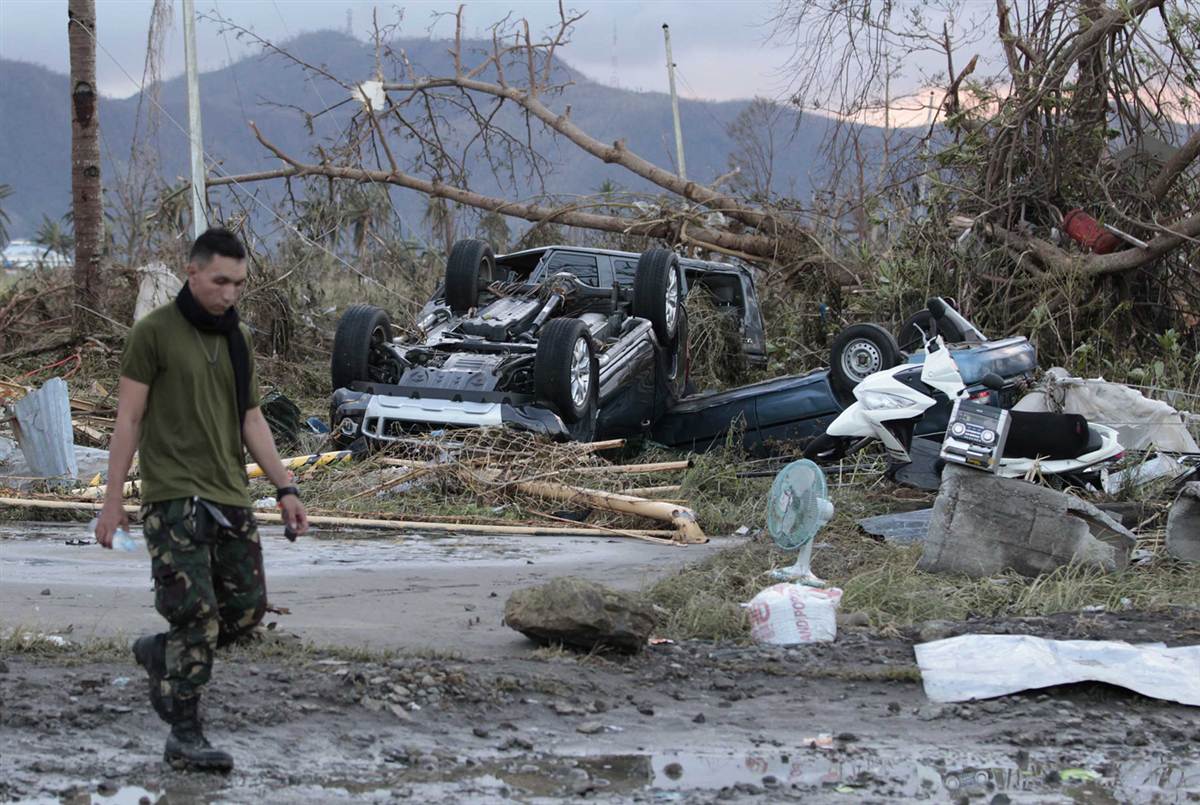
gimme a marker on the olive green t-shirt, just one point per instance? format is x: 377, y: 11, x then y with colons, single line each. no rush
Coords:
x: 190, y: 440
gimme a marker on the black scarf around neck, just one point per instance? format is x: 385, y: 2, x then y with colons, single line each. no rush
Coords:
x: 227, y: 325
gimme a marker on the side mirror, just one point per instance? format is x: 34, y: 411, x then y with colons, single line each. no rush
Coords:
x: 993, y: 381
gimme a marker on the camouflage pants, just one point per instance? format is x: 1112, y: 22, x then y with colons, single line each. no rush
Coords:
x: 208, y: 584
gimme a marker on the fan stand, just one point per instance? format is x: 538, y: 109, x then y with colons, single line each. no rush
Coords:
x: 801, y: 571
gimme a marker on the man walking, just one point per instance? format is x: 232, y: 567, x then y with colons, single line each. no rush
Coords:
x: 188, y: 402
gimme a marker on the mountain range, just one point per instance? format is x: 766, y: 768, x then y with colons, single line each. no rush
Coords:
x: 271, y: 90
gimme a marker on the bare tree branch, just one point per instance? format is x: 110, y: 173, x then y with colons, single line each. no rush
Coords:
x: 760, y: 247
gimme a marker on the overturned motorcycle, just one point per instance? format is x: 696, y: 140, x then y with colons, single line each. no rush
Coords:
x: 890, y: 404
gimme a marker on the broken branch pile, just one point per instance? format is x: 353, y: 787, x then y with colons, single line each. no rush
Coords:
x: 483, y: 481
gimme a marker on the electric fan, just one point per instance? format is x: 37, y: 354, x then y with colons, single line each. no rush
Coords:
x: 796, y: 509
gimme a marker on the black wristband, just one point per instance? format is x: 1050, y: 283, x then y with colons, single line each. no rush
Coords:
x: 286, y: 490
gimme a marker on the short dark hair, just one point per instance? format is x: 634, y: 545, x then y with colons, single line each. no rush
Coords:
x: 216, y: 240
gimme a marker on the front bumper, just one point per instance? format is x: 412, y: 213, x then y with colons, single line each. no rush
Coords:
x: 386, y: 418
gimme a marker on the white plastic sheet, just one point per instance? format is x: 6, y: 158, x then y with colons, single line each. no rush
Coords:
x: 979, y: 666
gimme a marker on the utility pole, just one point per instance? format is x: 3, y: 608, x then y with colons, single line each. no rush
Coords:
x: 86, y: 200
x: 674, y: 103
x: 195, y: 138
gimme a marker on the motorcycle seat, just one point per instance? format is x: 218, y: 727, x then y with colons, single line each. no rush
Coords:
x: 1036, y: 434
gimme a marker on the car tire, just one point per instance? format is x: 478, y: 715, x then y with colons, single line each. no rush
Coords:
x: 361, y: 333
x: 471, y: 264
x: 658, y: 292
x: 859, y: 351
x: 908, y: 337
x: 564, y: 351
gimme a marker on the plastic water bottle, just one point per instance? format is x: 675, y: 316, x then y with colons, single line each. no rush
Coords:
x: 122, y: 539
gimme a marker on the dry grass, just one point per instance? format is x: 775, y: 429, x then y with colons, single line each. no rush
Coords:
x: 882, y: 580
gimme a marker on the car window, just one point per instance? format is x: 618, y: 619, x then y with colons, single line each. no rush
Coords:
x: 625, y: 270
x: 581, y: 265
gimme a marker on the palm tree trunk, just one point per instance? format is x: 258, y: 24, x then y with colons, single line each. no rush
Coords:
x: 86, y: 200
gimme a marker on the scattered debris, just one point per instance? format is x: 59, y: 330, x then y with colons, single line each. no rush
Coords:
x: 1161, y: 466
x: 791, y: 614
x: 977, y: 666
x: 17, y: 474
x: 1141, y: 423
x: 43, y: 429
x: 823, y: 741
x: 902, y: 528
x: 580, y: 614
x: 1183, y: 524
x: 983, y: 524
x: 283, y: 418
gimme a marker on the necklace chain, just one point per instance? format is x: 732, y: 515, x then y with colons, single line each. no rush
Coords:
x: 212, y: 359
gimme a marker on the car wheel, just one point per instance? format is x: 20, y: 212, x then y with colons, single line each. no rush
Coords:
x: 359, y: 351
x: 658, y: 292
x: 859, y: 351
x: 565, y: 370
x: 471, y: 265
x: 909, y: 338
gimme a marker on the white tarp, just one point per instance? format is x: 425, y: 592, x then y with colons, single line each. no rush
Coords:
x: 1140, y: 422
x: 977, y: 666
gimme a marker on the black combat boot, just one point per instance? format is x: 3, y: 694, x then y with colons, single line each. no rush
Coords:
x: 150, y: 651
x: 187, y: 748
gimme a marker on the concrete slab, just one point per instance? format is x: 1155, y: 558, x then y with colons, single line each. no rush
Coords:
x: 397, y: 591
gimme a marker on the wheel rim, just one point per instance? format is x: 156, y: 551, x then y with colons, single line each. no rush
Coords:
x: 861, y: 358
x: 581, y: 373
x: 672, y: 302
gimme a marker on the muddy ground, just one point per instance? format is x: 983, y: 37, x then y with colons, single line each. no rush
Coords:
x: 686, y: 722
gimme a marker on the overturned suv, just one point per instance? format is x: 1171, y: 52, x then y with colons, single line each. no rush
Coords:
x: 539, y: 344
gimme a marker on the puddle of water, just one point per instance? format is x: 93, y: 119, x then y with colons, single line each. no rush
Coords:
x: 126, y: 795
x: 1155, y: 779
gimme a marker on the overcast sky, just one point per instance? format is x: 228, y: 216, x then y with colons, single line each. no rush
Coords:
x: 719, y: 46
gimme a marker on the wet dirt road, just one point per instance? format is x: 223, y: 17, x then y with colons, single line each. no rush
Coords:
x: 690, y: 722
x: 402, y: 591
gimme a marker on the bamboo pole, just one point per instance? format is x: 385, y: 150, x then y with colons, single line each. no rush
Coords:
x: 683, y: 518
x: 615, y: 469
x: 97, y: 490
x: 595, y: 447
x: 617, y: 531
x: 364, y: 522
x: 655, y: 492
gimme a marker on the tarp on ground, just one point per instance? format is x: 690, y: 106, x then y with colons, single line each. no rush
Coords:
x: 979, y: 666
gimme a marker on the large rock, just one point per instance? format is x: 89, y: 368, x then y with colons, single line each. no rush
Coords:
x: 983, y: 524
x: 1183, y: 524
x: 582, y: 614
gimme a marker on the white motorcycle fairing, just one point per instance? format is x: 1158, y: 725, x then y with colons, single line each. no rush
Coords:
x: 881, y: 398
